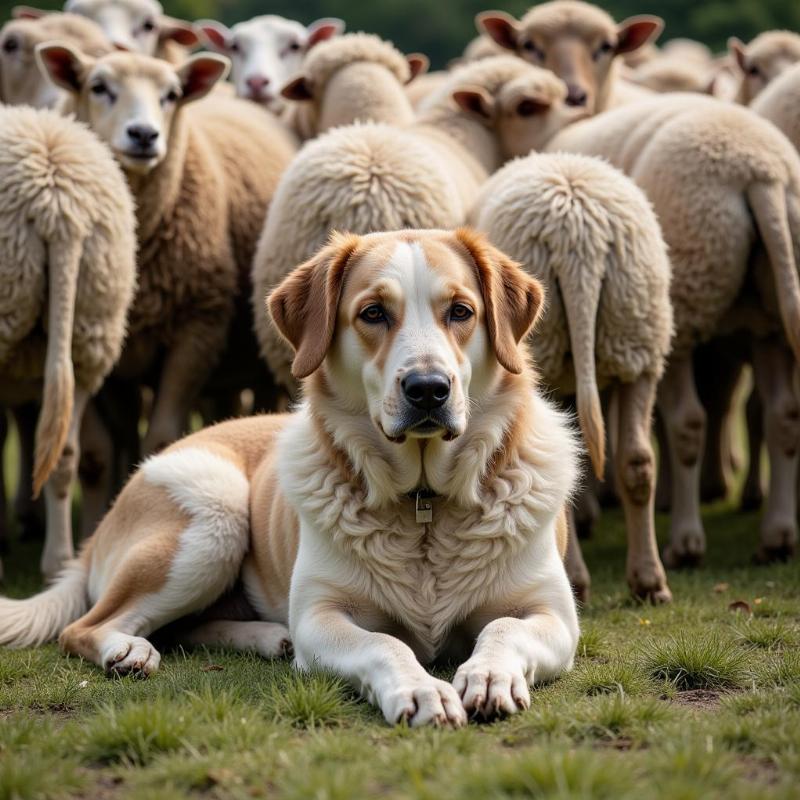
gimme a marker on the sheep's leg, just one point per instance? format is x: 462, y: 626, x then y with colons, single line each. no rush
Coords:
x: 752, y: 491
x: 96, y: 469
x: 27, y: 511
x: 58, y: 547
x: 664, y: 480
x: 577, y: 572
x: 636, y: 477
x: 684, y: 421
x: 186, y: 367
x: 773, y: 368
x: 3, y: 505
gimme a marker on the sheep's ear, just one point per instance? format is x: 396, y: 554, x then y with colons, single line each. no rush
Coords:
x: 418, y: 63
x: 215, y: 35
x: 637, y: 31
x: 501, y: 27
x: 28, y: 12
x: 304, y: 305
x: 178, y: 31
x: 323, y: 29
x: 200, y: 73
x: 530, y: 105
x: 475, y: 100
x: 512, y: 298
x: 738, y: 50
x: 298, y: 89
x: 65, y: 67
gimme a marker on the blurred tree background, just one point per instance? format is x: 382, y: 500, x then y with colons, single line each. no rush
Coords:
x: 442, y: 29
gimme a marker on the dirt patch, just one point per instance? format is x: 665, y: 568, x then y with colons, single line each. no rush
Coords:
x: 704, y: 699
x: 760, y: 770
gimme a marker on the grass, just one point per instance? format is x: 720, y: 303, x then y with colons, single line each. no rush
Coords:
x: 686, y: 701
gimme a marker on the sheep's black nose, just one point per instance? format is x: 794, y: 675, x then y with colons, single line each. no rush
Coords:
x: 576, y: 96
x: 426, y: 390
x: 142, y: 135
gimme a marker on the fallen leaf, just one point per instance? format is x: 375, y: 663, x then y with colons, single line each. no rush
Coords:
x: 740, y: 605
x: 221, y: 775
x: 212, y: 668
x: 722, y: 587
x: 758, y: 601
x: 643, y: 621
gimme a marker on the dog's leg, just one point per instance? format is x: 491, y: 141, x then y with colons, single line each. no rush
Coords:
x: 381, y: 667
x: 684, y: 422
x: 268, y: 639
x: 511, y: 653
x: 183, y: 527
x: 635, y: 469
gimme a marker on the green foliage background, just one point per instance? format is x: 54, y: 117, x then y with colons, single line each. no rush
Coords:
x: 442, y: 28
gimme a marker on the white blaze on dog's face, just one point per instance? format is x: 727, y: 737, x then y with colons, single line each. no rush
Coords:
x: 420, y: 326
x: 130, y: 101
x: 266, y: 51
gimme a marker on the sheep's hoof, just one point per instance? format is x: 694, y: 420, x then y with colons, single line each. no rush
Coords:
x: 779, y: 544
x: 656, y: 596
x: 685, y: 550
x: 751, y: 500
x: 648, y: 582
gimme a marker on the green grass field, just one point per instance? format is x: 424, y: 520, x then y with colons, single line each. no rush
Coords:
x: 691, y: 700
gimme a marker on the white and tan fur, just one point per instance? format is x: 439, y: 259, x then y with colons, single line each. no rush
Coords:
x: 314, y: 511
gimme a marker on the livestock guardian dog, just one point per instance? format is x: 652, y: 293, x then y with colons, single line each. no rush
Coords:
x: 410, y: 510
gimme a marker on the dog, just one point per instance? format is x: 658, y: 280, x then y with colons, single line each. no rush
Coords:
x: 411, y: 510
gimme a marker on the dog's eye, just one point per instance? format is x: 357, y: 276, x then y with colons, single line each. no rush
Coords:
x: 460, y: 312
x: 373, y: 314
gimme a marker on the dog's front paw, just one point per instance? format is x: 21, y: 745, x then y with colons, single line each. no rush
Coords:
x: 492, y: 686
x: 424, y: 700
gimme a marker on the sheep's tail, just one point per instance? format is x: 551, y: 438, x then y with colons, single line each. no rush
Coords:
x: 768, y: 202
x: 25, y: 623
x: 59, y: 380
x: 581, y: 307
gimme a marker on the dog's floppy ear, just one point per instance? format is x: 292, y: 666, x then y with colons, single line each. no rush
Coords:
x: 304, y: 305
x: 512, y: 298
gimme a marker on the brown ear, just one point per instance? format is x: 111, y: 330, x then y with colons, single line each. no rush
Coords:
x: 216, y: 35
x: 64, y: 66
x: 475, y: 100
x: 298, y: 89
x: 512, y: 298
x: 500, y: 27
x: 324, y: 29
x: 418, y: 63
x: 637, y: 31
x: 739, y: 50
x: 304, y: 305
x: 28, y: 12
x: 178, y: 31
x: 200, y: 73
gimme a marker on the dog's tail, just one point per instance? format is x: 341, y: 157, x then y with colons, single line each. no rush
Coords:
x: 580, y: 303
x: 25, y: 623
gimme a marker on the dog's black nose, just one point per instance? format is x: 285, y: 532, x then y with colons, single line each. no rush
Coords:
x: 142, y: 135
x: 426, y: 390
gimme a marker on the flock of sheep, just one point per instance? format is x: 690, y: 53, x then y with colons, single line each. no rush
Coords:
x: 146, y: 208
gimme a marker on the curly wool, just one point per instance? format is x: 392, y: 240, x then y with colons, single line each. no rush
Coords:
x: 60, y: 185
x: 696, y: 159
x: 563, y: 216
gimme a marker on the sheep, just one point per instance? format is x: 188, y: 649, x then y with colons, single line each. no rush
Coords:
x: 356, y: 77
x: 670, y: 74
x: 202, y: 177
x: 580, y: 43
x: 68, y: 249
x: 376, y: 177
x: 266, y: 51
x: 705, y: 166
x: 589, y: 235
x: 19, y: 84
x: 139, y: 26
x: 762, y: 60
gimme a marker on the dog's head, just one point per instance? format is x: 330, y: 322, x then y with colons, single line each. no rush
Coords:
x: 413, y: 327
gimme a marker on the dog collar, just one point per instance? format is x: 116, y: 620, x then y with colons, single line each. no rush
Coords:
x: 423, y: 506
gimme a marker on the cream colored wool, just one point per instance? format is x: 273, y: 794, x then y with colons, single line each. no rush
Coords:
x: 374, y: 177
x: 761, y: 61
x: 673, y: 74
x: 68, y: 250
x: 354, y: 77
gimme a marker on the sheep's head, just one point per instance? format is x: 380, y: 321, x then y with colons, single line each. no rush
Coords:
x: 575, y: 40
x: 131, y: 101
x: 524, y: 112
x: 763, y: 60
x: 20, y: 81
x: 139, y: 26
x: 265, y: 51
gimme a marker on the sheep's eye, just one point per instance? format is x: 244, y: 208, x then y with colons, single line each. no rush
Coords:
x: 10, y: 45
x: 527, y: 108
x: 171, y: 96
x: 234, y: 47
x: 294, y: 46
x: 532, y: 49
x: 374, y: 314
x: 99, y: 89
x: 148, y: 25
x: 460, y: 312
x: 753, y: 70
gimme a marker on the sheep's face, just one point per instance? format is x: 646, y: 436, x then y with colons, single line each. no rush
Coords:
x: 138, y: 26
x: 20, y: 81
x: 524, y: 114
x: 266, y: 51
x: 763, y: 60
x: 575, y: 40
x: 131, y: 101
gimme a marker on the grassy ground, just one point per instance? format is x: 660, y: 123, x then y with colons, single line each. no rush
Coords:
x: 693, y: 700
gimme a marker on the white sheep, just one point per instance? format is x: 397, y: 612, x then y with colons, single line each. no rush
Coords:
x: 375, y: 177
x: 763, y: 60
x: 202, y: 176
x: 718, y: 177
x: 68, y: 250
x: 588, y: 233
x: 580, y: 43
x: 266, y: 51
